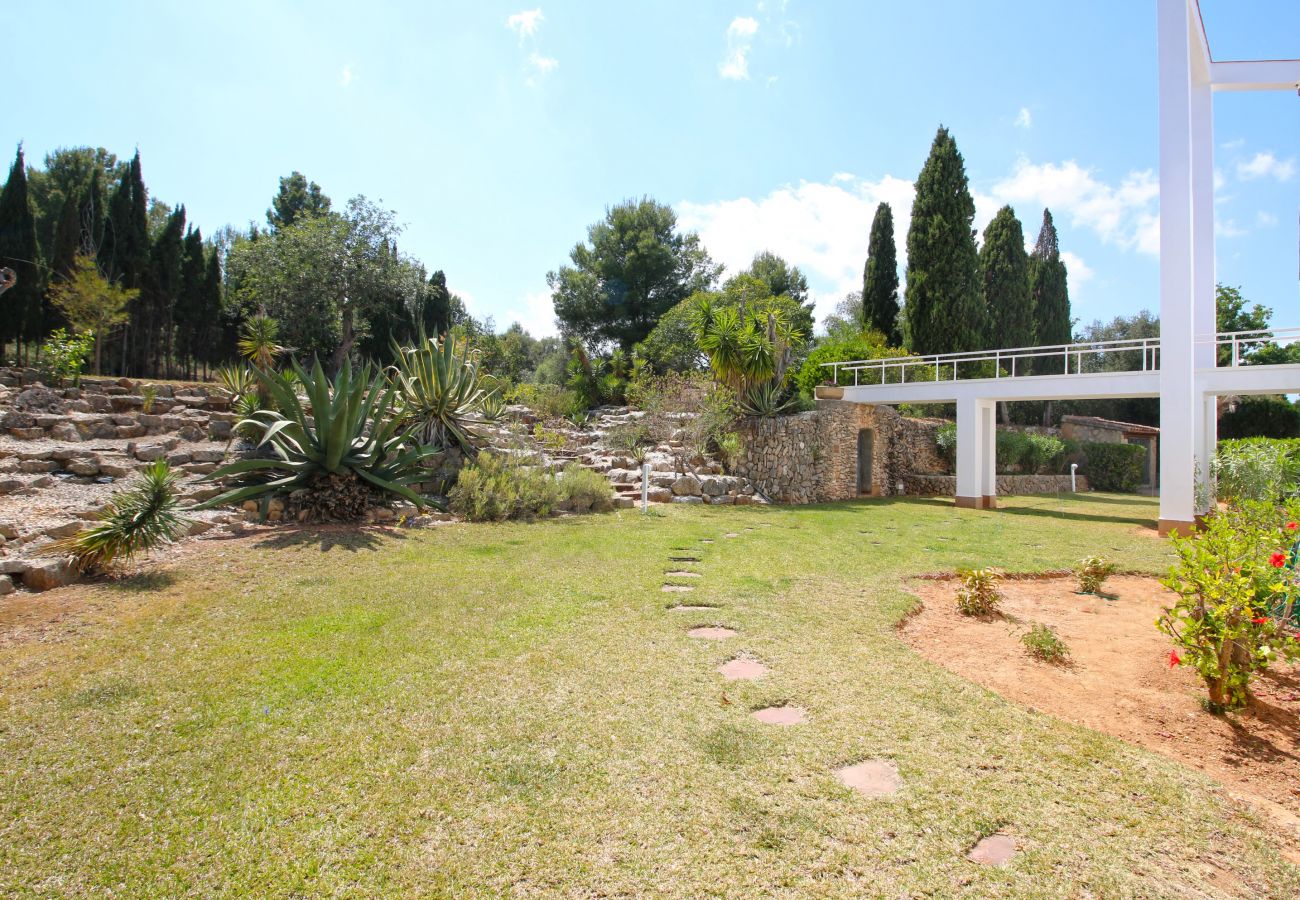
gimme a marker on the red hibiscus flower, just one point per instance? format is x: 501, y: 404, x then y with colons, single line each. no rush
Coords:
x: 1277, y: 560
x: 1260, y: 621
x: 1174, y: 658
x: 1291, y: 526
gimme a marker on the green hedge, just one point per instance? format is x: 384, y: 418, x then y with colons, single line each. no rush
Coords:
x: 1114, y: 467
x: 1021, y: 452
x: 1266, y: 417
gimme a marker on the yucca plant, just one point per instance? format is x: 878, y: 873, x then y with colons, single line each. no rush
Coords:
x: 334, y: 452
x: 438, y: 386
x: 259, y: 341
x: 237, y: 381
x: 137, y: 519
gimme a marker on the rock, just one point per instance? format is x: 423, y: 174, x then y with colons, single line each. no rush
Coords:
x: 201, y: 468
x: 624, y: 503
x: 659, y: 495
x: 8, y: 530
x: 725, y: 500
x: 6, y: 585
x: 37, y: 466
x: 62, y: 530
x: 28, y: 434
x: 688, y: 499
x: 192, y: 433
x: 207, y: 456
x: 126, y: 383
x: 150, y: 452
x: 177, y: 458
x: 14, y: 566
x: 249, y: 506
x: 39, y: 397
x: 199, y: 526
x: 131, y: 431
x: 45, y: 575
x: 220, y: 431
x: 10, y: 485
x: 743, y: 500
x: 113, y: 470
x: 686, y: 486
x: 40, y: 482
x: 712, y: 487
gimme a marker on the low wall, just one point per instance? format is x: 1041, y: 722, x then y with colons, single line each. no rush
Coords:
x: 946, y: 485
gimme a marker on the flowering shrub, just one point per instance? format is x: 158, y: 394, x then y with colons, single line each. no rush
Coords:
x: 1237, y: 587
x: 978, y: 594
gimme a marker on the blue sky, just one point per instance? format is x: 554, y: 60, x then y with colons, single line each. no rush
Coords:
x: 499, y: 131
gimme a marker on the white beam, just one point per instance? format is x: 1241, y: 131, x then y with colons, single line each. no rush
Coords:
x: 1255, y: 75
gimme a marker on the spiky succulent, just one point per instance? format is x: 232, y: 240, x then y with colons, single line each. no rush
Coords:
x: 438, y: 386
x: 342, y: 430
x: 137, y: 519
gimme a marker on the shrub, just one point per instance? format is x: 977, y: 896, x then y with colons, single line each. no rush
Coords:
x: 1043, y: 453
x: 1236, y: 597
x: 766, y: 401
x: 1012, y: 450
x: 333, y: 453
x: 868, y: 345
x: 64, y: 355
x: 1044, y: 644
x: 136, y: 520
x: 1269, y: 417
x: 1255, y: 469
x: 945, y: 441
x: 148, y: 396
x: 582, y: 489
x: 1114, y: 467
x: 496, y: 487
x: 978, y: 593
x: 1092, y: 572
x: 547, y: 400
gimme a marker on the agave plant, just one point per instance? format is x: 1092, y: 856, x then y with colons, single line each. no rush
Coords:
x: 438, y: 386
x: 332, y: 452
x: 765, y: 400
x: 137, y: 519
x: 492, y: 406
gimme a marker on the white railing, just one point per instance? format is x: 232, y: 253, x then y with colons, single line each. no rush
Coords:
x: 1135, y: 354
x: 1057, y: 359
x: 1239, y: 341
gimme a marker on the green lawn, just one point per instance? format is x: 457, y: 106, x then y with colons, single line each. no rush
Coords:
x: 488, y: 710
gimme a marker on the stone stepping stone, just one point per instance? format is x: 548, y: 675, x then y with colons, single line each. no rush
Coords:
x: 872, y: 778
x: 706, y: 540
x: 780, y: 715
x: 731, y: 534
x: 677, y: 588
x: 712, y: 633
x: 742, y: 669
x: 687, y: 607
x: 994, y: 850
x: 682, y: 573
x: 684, y: 559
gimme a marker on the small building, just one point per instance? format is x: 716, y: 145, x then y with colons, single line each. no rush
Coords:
x: 1095, y: 430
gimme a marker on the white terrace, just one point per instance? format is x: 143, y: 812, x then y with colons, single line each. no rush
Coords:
x: 1180, y: 367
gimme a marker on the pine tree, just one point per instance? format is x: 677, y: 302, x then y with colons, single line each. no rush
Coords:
x: 1004, y: 273
x: 1048, y: 286
x: 880, y: 278
x: 21, y: 316
x: 945, y: 308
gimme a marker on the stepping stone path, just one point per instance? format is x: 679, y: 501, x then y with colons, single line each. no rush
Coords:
x: 684, y: 607
x: 684, y: 559
x: 872, y: 778
x: 677, y: 588
x: 780, y: 715
x: 731, y: 534
x: 712, y: 633
x: 682, y: 573
x: 994, y: 850
x: 742, y: 669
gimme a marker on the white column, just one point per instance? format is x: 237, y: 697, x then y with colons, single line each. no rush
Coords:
x: 976, y: 420
x: 1178, y: 401
x: 988, y: 413
x: 1204, y: 319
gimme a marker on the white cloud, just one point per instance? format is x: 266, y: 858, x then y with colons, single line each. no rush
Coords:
x: 1123, y: 215
x: 1234, y: 144
x: 536, y: 314
x: 345, y: 76
x: 1227, y: 228
x: 1265, y: 219
x: 542, y: 65
x: 525, y: 23
x: 823, y: 227
x: 740, y: 39
x: 1024, y: 119
x: 1266, y: 164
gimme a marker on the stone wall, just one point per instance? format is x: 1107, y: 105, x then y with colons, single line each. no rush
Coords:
x: 946, y: 485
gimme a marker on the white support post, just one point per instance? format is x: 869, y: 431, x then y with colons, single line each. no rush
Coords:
x: 988, y: 412
x: 1178, y: 400
x: 975, y: 443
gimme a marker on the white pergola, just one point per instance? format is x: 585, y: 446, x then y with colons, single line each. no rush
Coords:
x: 1181, y: 367
x: 1189, y: 76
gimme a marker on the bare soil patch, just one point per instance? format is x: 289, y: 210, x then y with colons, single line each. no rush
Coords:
x: 1118, y: 681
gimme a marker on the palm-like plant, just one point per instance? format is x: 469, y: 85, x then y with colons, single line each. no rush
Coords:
x: 338, y: 445
x: 765, y: 400
x: 438, y: 386
x: 136, y: 520
x: 259, y: 341
x: 237, y: 381
x: 745, y: 349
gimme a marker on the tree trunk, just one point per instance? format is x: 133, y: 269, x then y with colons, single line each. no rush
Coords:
x: 345, y: 345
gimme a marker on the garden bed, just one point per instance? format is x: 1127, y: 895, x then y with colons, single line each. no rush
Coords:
x: 1118, y: 681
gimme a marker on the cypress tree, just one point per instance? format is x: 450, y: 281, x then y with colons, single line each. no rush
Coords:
x: 1048, y: 286
x: 214, y: 349
x: 124, y: 256
x: 880, y: 278
x: 152, y: 351
x: 436, y: 314
x: 20, y: 311
x: 67, y: 238
x: 189, y: 300
x: 90, y: 215
x: 1004, y: 272
x: 945, y: 309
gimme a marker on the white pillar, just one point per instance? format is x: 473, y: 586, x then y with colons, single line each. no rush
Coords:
x: 975, y: 453
x: 988, y: 413
x: 1178, y: 401
x: 1204, y: 318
